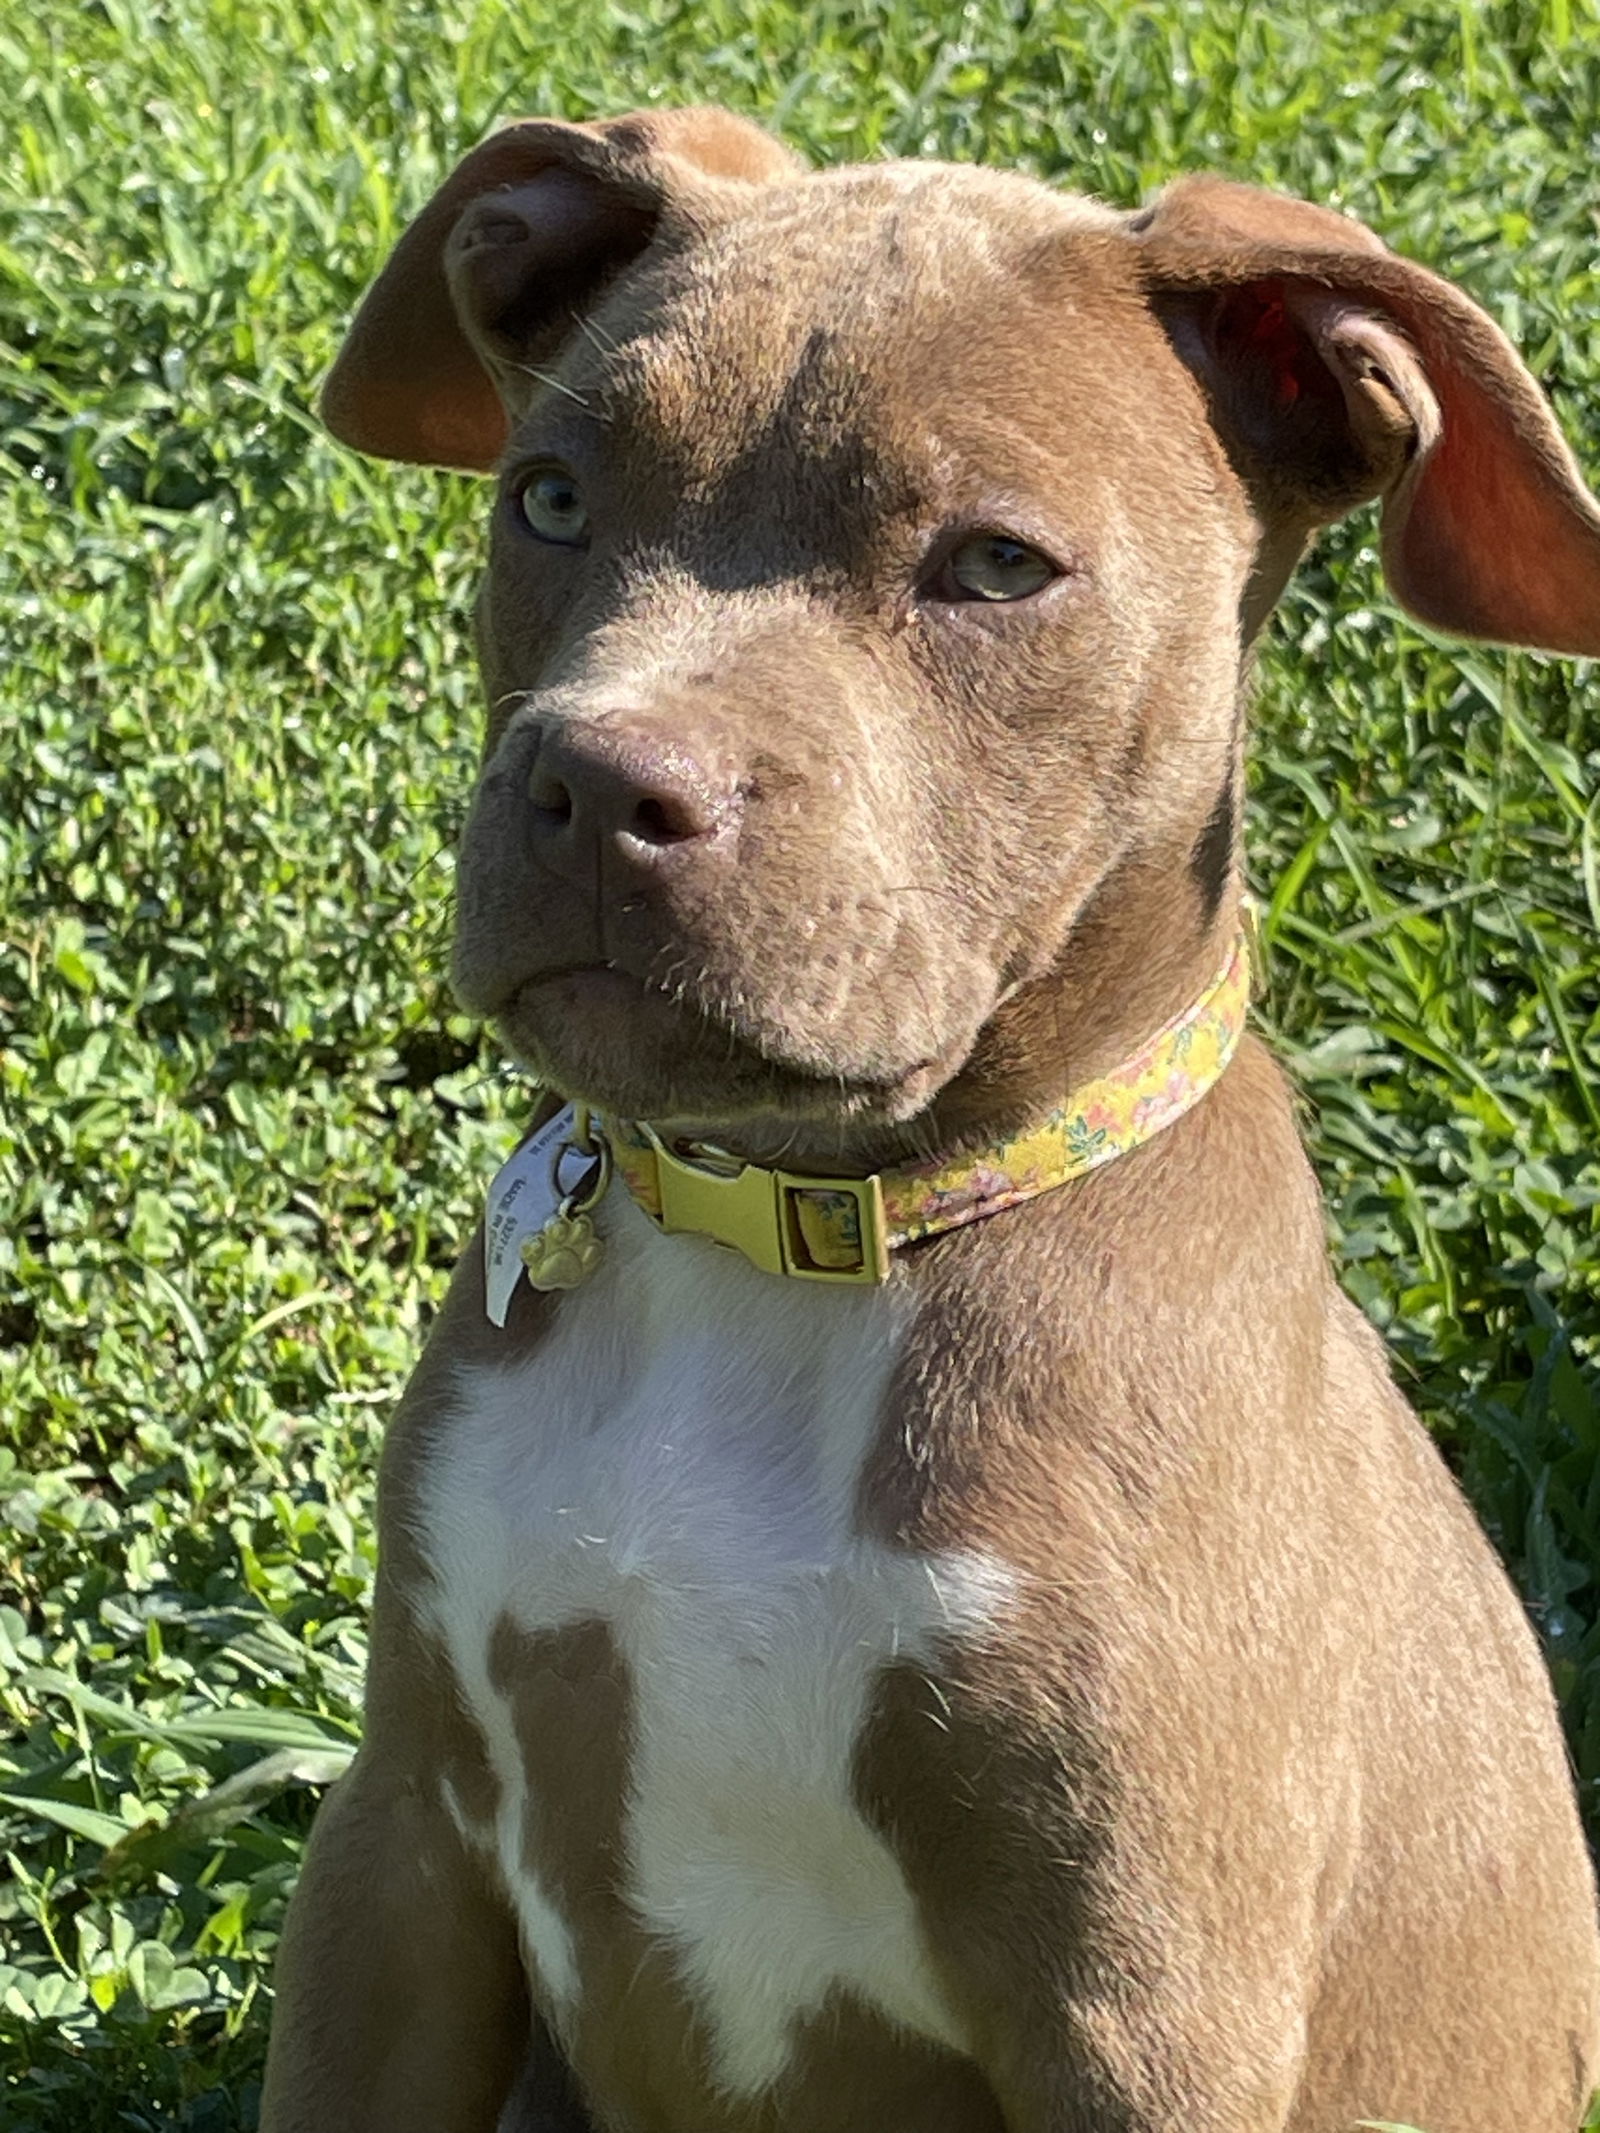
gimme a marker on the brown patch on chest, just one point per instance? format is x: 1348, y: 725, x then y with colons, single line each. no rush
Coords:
x: 983, y: 1785
x: 642, y: 2051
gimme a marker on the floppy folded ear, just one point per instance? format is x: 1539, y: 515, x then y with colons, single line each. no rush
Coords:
x: 1337, y: 371
x: 522, y: 238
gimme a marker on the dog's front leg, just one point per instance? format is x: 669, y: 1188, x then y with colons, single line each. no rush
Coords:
x: 402, y: 2005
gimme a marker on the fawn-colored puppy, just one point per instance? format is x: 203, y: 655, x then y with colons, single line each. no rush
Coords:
x: 1055, y: 1686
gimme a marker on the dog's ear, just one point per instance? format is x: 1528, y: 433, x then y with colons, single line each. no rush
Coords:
x: 1337, y: 371
x: 517, y: 243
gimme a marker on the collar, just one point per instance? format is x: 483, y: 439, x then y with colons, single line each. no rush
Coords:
x: 843, y: 1229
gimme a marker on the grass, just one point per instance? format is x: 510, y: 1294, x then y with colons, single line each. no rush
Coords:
x: 242, y: 1133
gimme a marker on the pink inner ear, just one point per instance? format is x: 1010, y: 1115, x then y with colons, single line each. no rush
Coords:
x: 1254, y: 325
x: 1489, y: 531
x: 1491, y: 534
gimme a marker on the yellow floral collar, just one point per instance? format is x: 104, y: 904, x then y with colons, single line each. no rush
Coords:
x: 843, y: 1229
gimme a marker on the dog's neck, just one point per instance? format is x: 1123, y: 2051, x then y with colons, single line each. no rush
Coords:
x: 1124, y: 972
x: 1122, y: 975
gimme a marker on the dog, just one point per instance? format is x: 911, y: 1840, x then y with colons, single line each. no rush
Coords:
x: 928, y: 1615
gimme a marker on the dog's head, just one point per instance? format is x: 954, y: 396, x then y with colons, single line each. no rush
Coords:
x: 873, y: 555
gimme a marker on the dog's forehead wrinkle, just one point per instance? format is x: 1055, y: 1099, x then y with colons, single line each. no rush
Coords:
x: 816, y: 286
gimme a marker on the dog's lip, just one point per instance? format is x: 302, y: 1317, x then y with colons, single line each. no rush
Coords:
x: 603, y: 982
x: 604, y: 976
x: 553, y: 971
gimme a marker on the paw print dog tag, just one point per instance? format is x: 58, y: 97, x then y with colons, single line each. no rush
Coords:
x: 563, y: 1253
x: 537, y: 1221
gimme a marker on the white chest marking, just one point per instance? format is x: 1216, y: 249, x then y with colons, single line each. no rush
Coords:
x: 680, y: 1459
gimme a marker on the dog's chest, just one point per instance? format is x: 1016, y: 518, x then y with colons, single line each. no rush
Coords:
x: 679, y: 1464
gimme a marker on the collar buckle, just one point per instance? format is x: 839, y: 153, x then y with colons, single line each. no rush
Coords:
x: 816, y: 1229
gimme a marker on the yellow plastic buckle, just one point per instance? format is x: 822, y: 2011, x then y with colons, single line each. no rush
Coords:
x: 756, y: 1211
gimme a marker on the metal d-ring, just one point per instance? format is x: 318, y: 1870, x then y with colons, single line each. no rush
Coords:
x: 585, y: 1141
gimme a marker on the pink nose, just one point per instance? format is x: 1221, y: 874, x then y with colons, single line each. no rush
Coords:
x: 615, y: 790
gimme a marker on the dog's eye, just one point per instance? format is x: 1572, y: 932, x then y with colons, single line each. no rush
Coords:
x: 992, y: 566
x: 552, y: 508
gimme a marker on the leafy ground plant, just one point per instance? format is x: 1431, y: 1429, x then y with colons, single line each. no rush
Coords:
x: 242, y: 1133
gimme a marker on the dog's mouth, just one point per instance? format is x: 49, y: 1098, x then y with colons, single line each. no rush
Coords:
x: 602, y: 1035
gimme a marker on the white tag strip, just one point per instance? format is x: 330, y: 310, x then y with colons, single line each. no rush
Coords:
x: 523, y: 1197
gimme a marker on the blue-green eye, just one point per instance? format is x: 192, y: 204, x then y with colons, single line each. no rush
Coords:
x: 993, y: 566
x: 553, y: 508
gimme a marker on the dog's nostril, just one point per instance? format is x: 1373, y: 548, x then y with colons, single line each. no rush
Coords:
x: 551, y: 797
x: 659, y: 820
